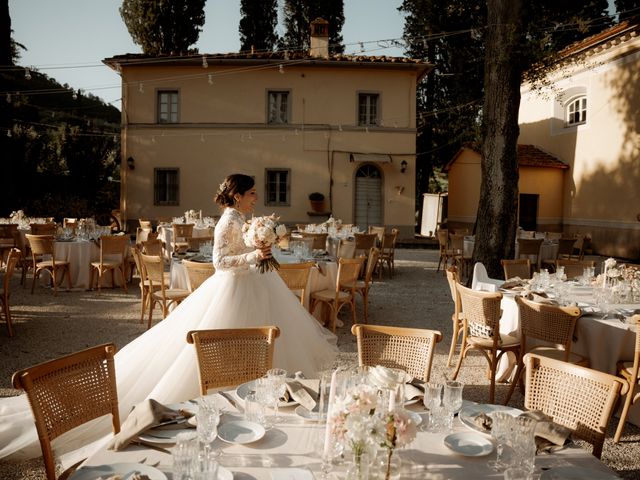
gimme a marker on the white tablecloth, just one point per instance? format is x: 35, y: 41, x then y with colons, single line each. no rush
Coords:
x: 165, y: 233
x: 296, y: 444
x: 548, y: 250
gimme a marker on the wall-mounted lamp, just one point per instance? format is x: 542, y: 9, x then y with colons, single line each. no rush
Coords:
x: 131, y: 163
x: 403, y: 166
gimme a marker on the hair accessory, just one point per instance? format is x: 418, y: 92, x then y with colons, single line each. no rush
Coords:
x: 222, y: 186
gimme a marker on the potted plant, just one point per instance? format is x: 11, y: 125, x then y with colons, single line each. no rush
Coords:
x: 317, y: 201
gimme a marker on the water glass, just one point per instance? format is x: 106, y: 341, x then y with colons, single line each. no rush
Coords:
x: 207, y: 420
x: 452, y: 397
x: 277, y: 378
x: 254, y: 409
x: 432, y: 400
x: 501, y: 427
x: 185, y: 456
x: 265, y: 395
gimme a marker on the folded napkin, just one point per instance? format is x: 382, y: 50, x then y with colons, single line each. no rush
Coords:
x: 541, y: 297
x: 550, y: 436
x: 513, y: 282
x: 413, y: 388
x: 296, y: 391
x: 483, y: 421
x: 144, y: 416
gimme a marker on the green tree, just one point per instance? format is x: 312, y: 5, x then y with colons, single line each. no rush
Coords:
x: 298, y: 15
x: 6, y: 57
x: 258, y: 24
x: 628, y: 9
x: 164, y: 27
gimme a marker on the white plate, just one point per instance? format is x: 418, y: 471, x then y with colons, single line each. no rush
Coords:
x: 243, y: 390
x: 126, y: 470
x: 240, y: 432
x: 224, y: 474
x: 469, y: 444
x: 573, y: 472
x: 168, y: 435
x: 307, y: 415
x: 469, y: 412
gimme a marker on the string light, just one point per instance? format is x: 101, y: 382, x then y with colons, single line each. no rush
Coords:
x: 8, y: 98
x: 210, y: 79
x: 141, y: 88
x: 27, y: 74
x: 339, y: 127
x: 205, y: 64
x: 281, y: 68
x: 9, y: 133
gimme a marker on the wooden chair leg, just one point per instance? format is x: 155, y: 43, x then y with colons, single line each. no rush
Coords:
x: 628, y: 401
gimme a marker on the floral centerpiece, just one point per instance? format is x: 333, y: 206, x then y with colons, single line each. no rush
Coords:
x: 192, y: 216
x: 20, y: 218
x: 263, y: 232
x: 364, y: 418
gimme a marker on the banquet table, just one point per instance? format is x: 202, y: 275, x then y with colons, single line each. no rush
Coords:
x: 291, y: 450
x: 165, y: 233
x: 548, y: 250
x: 604, y: 341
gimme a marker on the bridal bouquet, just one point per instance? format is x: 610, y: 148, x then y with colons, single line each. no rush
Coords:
x: 263, y: 232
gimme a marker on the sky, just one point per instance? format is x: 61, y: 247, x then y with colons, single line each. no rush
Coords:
x: 68, y: 39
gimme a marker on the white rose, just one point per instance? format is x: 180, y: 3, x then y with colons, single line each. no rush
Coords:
x: 281, y: 230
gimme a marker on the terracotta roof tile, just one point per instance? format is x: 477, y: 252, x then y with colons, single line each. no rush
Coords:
x: 532, y: 156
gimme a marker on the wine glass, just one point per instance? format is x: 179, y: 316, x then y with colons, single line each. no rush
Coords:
x: 451, y: 401
x: 277, y: 378
x: 431, y: 401
x: 207, y: 420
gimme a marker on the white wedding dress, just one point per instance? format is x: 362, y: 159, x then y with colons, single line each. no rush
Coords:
x: 160, y: 364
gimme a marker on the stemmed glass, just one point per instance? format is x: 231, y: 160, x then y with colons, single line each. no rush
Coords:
x: 277, y: 378
x: 431, y: 400
x: 207, y: 420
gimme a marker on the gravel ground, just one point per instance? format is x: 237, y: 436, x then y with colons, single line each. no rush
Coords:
x: 49, y: 326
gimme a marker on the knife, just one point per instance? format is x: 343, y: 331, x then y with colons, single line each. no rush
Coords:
x: 151, y: 445
x: 231, y: 400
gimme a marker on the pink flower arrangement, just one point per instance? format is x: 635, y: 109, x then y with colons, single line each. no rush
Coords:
x: 263, y: 232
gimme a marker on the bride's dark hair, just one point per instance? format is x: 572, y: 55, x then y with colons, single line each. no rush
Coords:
x: 236, y: 183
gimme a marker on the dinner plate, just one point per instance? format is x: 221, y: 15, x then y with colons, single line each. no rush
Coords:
x: 126, y: 470
x: 168, y: 435
x: 469, y: 412
x: 574, y: 472
x: 307, y: 415
x: 469, y: 444
x: 243, y: 390
x: 240, y: 432
x: 224, y: 473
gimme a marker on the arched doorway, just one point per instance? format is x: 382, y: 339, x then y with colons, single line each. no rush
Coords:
x: 368, y: 209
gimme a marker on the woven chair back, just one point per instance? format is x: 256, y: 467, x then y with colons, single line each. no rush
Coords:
x: 577, y: 397
x: 364, y: 241
x: 565, y: 247
x: 43, y: 228
x: 145, y: 224
x: 529, y: 246
x: 152, y: 247
x: 519, y: 267
x: 145, y: 234
x: 9, y: 234
x: 574, y: 268
x: 409, y: 349
x: 456, y: 242
x: 40, y: 244
x: 453, y: 280
x: 481, y: 310
x: 182, y: 231
x: 154, y: 268
x: 296, y: 275
x: 229, y: 357
x: 198, y: 272
x: 113, y: 245
x: 549, y: 323
x: 443, y: 239
x: 372, y: 261
x: 319, y: 240
x: 70, y: 391
x: 348, y: 272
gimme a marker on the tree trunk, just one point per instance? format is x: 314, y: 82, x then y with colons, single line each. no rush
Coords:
x: 497, y: 210
x: 5, y: 34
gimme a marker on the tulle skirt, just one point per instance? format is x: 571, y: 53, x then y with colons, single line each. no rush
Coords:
x: 160, y: 364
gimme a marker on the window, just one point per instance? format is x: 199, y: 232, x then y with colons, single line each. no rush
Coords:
x: 168, y: 106
x: 577, y: 111
x: 278, y: 107
x: 277, y: 187
x: 368, y: 109
x: 166, y: 186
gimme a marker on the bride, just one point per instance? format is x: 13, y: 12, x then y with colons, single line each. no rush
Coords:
x: 161, y: 365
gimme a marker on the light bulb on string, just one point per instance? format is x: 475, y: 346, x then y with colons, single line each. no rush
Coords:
x: 210, y: 79
x: 361, y: 47
x: 75, y: 95
x: 281, y: 68
x: 339, y: 127
x: 141, y: 87
x: 27, y: 74
x: 153, y: 139
x: 8, y: 98
x: 249, y: 137
x: 205, y: 64
x: 202, y: 137
x: 9, y: 133
x: 366, y: 129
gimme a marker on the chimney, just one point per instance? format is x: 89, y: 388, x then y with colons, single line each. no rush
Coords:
x: 319, y: 45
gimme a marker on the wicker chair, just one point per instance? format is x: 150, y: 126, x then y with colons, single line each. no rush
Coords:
x: 296, y: 277
x: 364, y: 242
x: 319, y: 240
x: 445, y: 252
x: 145, y: 284
x: 630, y: 372
x: 387, y: 253
x: 152, y: 247
x: 457, y: 319
x: 153, y: 266
x: 481, y: 331
x: 43, y: 228
x: 145, y: 234
x: 335, y: 299
x: 198, y: 272
x: 145, y: 224
x: 182, y: 232
x: 530, y: 247
x: 44, y: 245
x: 12, y: 261
x: 113, y: 256
x: 519, y: 267
x: 577, y: 397
x: 379, y: 230
x: 229, y: 357
x: 363, y: 286
x: 409, y: 349
x: 565, y: 252
x: 8, y: 239
x: 69, y: 222
x: 574, y: 268
x: 550, y: 326
x: 67, y: 392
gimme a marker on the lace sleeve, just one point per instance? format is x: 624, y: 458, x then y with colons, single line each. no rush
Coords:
x: 229, y: 250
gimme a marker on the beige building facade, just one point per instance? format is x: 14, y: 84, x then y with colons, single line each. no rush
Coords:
x: 590, y: 118
x: 342, y: 126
